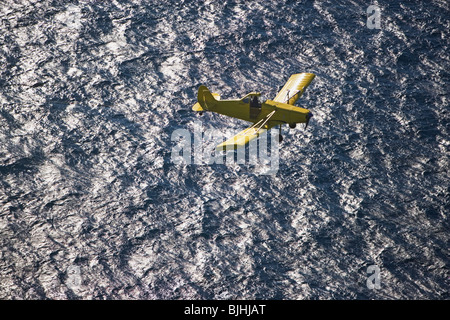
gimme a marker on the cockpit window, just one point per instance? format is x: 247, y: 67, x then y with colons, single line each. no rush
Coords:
x: 254, y: 103
x: 246, y: 100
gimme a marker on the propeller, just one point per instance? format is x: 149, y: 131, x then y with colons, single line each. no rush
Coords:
x: 308, y: 117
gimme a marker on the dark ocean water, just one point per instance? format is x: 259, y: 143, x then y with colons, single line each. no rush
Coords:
x: 92, y: 207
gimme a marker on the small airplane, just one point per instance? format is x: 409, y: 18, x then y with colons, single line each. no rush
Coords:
x: 263, y: 116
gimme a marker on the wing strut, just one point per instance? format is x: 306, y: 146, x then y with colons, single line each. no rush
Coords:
x: 265, y: 121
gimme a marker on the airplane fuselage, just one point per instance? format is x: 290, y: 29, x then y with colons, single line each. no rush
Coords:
x: 285, y: 113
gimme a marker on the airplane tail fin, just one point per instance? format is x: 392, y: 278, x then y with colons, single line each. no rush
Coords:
x: 205, y: 98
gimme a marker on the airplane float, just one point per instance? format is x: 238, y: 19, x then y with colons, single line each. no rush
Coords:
x: 263, y: 116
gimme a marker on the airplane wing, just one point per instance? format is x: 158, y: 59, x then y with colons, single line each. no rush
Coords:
x: 247, y: 135
x: 294, y: 88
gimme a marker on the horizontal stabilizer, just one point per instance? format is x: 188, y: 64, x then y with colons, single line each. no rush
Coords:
x: 197, y: 107
x: 204, y: 98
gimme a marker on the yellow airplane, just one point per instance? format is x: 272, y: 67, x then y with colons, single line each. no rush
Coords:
x: 264, y: 116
